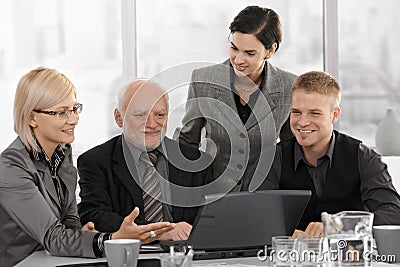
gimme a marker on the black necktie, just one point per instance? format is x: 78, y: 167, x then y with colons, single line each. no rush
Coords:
x: 151, y: 187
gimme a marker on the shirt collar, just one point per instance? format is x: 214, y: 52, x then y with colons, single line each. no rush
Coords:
x: 299, y: 154
x: 41, y: 155
x: 137, y: 152
x: 56, y: 159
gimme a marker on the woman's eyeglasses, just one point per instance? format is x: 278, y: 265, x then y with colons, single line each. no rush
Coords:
x: 62, y: 115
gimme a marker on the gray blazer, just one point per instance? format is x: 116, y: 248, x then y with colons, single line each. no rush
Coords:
x: 211, y: 105
x: 31, y: 217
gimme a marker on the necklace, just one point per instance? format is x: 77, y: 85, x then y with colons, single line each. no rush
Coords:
x: 243, y: 89
x: 248, y: 88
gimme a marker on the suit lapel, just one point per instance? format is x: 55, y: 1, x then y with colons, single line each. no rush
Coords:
x: 265, y: 102
x: 126, y: 174
x: 48, y: 182
x: 68, y: 176
x: 221, y: 86
x: 172, y: 150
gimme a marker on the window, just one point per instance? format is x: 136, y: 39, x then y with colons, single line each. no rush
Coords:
x: 81, y: 39
x: 176, y: 32
x: 368, y: 65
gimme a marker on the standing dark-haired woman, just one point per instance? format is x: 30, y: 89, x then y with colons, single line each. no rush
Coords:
x: 37, y: 179
x: 243, y: 102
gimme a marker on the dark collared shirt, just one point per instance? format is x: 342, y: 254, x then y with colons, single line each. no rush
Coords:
x: 376, y: 190
x: 54, y: 164
x: 317, y: 173
x: 56, y: 159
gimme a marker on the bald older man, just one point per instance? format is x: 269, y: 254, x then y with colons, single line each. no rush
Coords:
x: 142, y: 168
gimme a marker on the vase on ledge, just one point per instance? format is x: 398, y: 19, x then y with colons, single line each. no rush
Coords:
x: 387, y: 136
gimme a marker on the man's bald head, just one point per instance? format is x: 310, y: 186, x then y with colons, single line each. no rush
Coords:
x: 142, y: 112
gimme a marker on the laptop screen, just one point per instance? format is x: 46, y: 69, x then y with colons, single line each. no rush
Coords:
x: 247, y: 219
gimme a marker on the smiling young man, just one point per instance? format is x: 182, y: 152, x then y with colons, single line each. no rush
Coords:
x: 341, y: 172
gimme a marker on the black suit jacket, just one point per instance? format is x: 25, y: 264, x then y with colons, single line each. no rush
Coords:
x: 109, y: 192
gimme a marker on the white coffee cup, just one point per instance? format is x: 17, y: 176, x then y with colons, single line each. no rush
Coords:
x: 122, y: 252
x: 387, y: 238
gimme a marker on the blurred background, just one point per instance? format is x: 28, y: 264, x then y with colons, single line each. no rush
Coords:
x: 83, y: 40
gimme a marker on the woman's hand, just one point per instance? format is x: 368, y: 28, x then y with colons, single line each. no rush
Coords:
x: 145, y: 233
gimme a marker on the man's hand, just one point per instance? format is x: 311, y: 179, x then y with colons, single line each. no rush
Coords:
x: 314, y: 229
x: 145, y: 233
x: 180, y: 232
x: 89, y: 227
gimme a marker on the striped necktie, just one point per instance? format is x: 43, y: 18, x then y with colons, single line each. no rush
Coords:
x: 152, y: 205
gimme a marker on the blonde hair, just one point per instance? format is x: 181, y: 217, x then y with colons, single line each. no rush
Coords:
x: 318, y: 82
x: 40, y: 88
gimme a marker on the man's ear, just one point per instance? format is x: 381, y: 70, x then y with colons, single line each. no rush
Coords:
x: 33, y: 120
x: 118, y: 118
x: 336, y: 114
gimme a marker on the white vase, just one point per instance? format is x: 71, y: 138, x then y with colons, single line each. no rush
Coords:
x: 387, y: 137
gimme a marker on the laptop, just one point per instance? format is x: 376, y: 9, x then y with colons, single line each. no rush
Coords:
x: 239, y: 224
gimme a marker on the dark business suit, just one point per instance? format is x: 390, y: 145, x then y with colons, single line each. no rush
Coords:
x: 109, y: 191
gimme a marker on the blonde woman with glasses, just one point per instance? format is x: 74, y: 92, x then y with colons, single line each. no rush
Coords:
x: 38, y: 208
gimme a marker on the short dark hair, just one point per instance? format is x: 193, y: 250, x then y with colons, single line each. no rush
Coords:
x: 263, y: 22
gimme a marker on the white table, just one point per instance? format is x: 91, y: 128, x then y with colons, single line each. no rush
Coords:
x: 43, y: 259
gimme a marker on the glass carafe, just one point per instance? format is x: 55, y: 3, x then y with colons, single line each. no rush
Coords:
x: 349, y: 237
